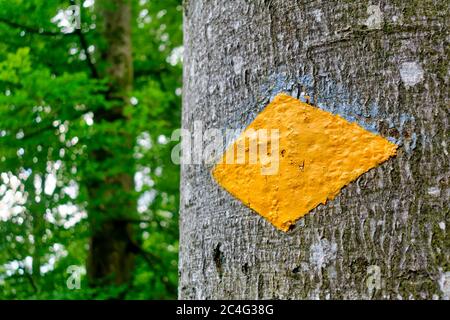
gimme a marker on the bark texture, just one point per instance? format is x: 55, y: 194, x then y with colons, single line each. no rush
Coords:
x: 383, y: 64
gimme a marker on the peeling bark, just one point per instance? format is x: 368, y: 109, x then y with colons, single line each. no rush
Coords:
x: 383, y: 64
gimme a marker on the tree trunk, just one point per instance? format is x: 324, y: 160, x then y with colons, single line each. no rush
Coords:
x: 382, y: 64
x: 111, y: 254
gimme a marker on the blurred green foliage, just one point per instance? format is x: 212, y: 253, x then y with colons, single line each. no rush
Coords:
x: 48, y: 98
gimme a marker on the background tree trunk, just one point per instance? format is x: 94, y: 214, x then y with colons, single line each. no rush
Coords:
x: 112, y: 253
x: 383, y: 64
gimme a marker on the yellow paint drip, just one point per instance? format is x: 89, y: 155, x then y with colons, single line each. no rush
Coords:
x: 319, y: 153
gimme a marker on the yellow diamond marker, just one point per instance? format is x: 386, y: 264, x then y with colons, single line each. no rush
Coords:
x: 318, y: 154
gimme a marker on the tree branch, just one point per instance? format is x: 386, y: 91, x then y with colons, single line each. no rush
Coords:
x: 27, y: 275
x: 31, y: 280
x: 85, y: 46
x: 33, y: 30
x: 42, y: 32
x: 48, y: 127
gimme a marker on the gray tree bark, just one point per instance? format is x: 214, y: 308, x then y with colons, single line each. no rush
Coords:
x: 383, y: 64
